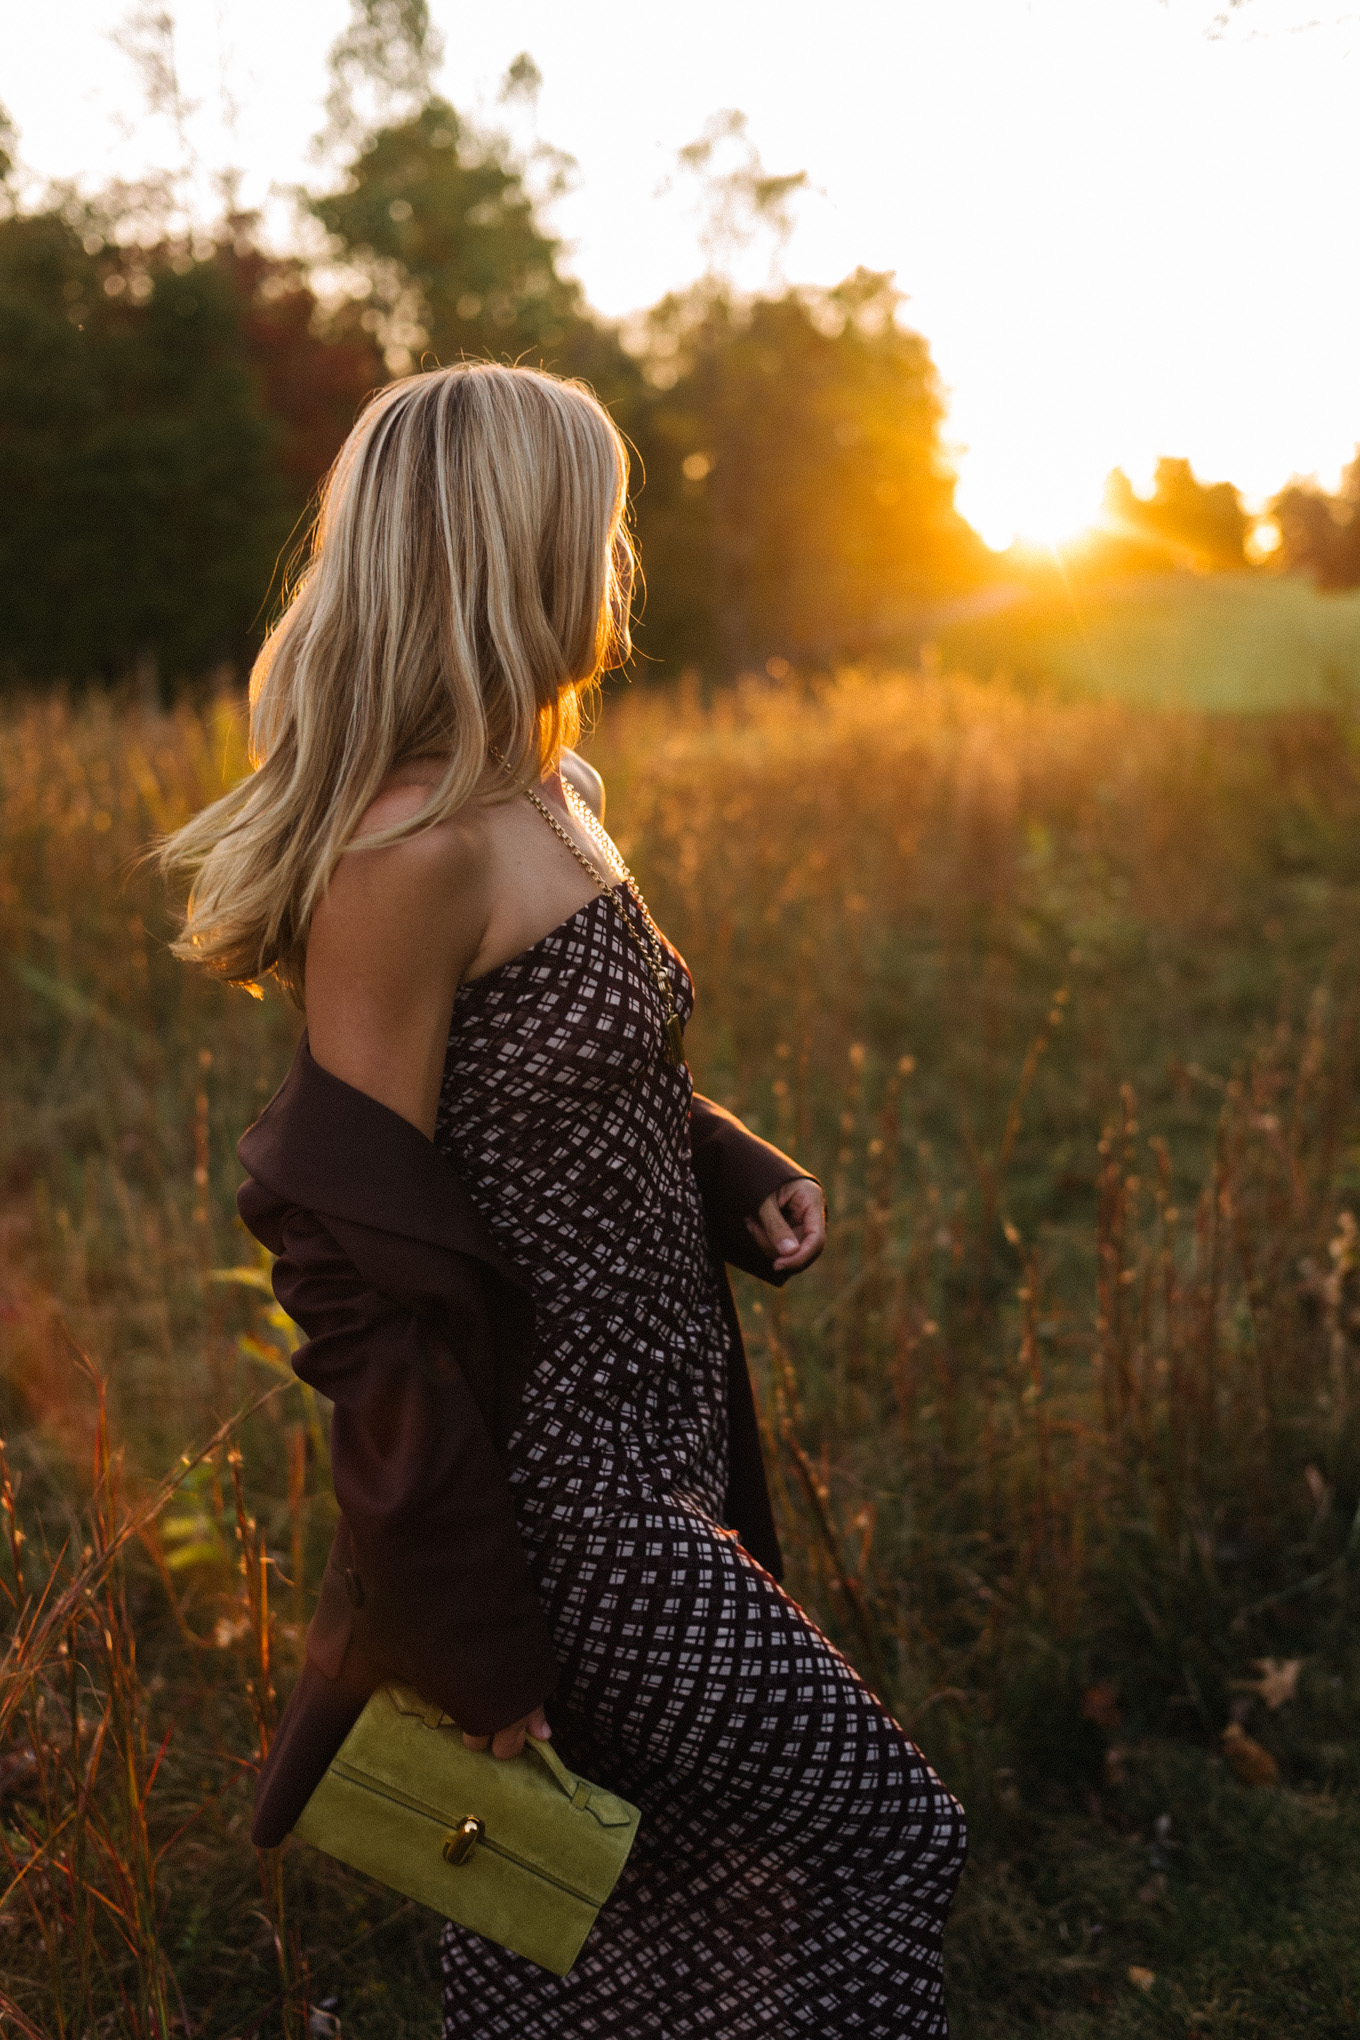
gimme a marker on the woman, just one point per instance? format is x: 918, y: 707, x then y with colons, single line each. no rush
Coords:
x: 502, y: 1219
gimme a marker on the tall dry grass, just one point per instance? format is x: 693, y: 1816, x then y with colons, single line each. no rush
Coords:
x: 1060, y: 1000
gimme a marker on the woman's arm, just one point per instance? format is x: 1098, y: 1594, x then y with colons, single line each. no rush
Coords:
x: 391, y: 941
x: 754, y: 1196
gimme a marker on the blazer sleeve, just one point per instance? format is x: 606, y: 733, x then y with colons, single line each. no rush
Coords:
x: 439, y: 1589
x: 736, y: 1172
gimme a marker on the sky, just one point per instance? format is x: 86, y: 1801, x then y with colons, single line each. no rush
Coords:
x: 1126, y: 227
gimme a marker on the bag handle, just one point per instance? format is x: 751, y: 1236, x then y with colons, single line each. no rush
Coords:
x: 576, y: 1789
x: 586, y: 1798
x: 608, y: 1810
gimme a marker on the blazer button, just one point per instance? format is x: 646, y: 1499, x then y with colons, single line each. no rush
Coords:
x: 354, y: 1587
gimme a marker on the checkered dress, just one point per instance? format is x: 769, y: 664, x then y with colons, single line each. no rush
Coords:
x: 797, y: 1855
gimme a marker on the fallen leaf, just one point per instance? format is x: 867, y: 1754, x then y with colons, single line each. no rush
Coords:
x: 1154, y: 1889
x: 1101, y: 1704
x: 1143, y: 1978
x: 1279, y: 1680
x: 1248, y: 1762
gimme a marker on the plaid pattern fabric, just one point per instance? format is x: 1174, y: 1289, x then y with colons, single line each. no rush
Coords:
x: 797, y: 1855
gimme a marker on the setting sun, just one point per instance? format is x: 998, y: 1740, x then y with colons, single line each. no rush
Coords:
x: 1043, y: 518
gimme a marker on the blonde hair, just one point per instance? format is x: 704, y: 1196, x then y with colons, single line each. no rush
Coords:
x: 469, y: 575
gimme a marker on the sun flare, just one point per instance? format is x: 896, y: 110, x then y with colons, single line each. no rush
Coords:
x: 1044, y: 520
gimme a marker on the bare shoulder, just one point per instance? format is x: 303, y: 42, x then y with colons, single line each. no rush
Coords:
x: 427, y: 881
x: 388, y: 947
x: 585, y: 780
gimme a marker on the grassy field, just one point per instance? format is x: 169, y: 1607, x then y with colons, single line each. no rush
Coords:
x: 1227, y: 642
x: 1062, y: 999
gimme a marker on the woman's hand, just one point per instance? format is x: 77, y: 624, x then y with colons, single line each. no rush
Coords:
x: 508, y: 1742
x: 791, y: 1224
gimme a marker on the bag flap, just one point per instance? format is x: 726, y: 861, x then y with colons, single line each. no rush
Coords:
x: 411, y: 1750
x: 606, y: 1807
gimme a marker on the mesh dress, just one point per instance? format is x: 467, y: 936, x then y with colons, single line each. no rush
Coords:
x: 797, y: 1855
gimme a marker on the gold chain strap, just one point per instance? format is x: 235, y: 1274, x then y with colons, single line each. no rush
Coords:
x: 648, y: 945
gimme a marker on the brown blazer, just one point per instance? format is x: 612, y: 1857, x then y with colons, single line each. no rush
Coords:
x: 420, y: 1334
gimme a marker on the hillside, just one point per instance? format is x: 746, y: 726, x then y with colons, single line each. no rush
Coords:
x: 1218, y: 642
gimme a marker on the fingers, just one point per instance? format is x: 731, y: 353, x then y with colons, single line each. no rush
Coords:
x: 506, y: 1742
x: 779, y: 1237
x: 509, y: 1742
x: 802, y: 1233
x: 791, y: 1224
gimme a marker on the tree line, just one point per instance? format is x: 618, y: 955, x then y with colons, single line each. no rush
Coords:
x: 167, y: 409
x: 170, y: 402
x: 1204, y: 528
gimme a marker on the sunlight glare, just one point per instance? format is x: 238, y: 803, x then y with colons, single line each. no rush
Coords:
x: 1042, y: 518
x: 1264, y: 538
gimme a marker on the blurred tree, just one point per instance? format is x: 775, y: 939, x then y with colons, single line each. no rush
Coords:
x: 381, y: 69
x: 8, y: 144
x: 436, y: 221
x: 522, y: 80
x: 135, y: 460
x: 167, y: 407
x: 164, y: 418
x: 798, y: 502
x: 1320, y: 534
x: 1187, y: 522
x: 313, y: 368
x: 739, y: 200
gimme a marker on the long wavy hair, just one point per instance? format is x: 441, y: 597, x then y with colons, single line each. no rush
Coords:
x: 469, y: 575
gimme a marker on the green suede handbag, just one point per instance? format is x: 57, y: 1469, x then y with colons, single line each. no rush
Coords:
x: 518, y: 1849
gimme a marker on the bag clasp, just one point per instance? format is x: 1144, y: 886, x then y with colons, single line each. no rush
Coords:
x: 458, y: 1846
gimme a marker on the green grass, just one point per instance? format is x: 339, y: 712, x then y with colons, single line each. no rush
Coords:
x: 1225, y: 642
x: 1247, y: 1914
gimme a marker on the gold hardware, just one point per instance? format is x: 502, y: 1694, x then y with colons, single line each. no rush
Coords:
x: 458, y: 1846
